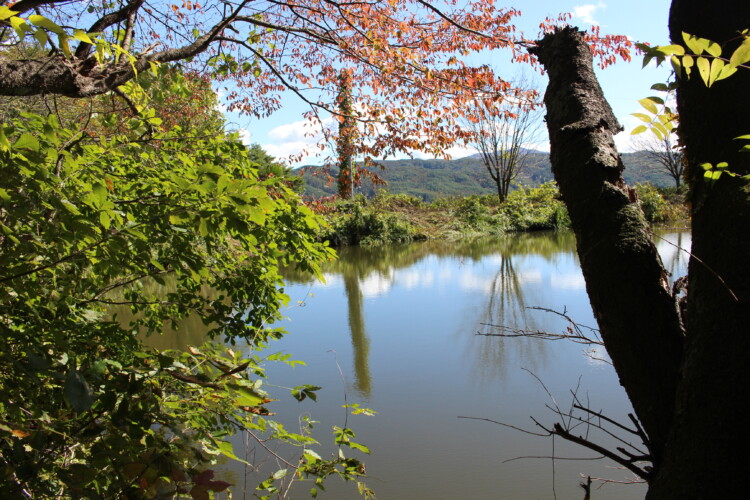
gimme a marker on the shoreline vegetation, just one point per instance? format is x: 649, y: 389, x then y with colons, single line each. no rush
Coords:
x: 399, y: 218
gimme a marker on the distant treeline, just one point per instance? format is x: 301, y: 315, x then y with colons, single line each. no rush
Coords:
x: 432, y: 179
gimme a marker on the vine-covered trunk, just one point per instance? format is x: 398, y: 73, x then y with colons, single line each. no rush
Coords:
x: 625, y: 280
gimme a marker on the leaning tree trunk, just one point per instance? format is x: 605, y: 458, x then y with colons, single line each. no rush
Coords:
x: 707, y: 454
x: 625, y: 280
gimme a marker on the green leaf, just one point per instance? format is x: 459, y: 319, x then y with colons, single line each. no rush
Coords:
x: 41, y: 37
x: 45, y: 23
x: 704, y: 68
x: 247, y: 396
x: 639, y: 130
x: 77, y: 391
x: 360, y: 447
x: 82, y: 36
x: 5, y: 13
x: 687, y: 64
x: 717, y: 65
x: 104, y: 220
x: 20, y: 27
x: 27, y: 141
x: 62, y: 40
x: 669, y: 50
x: 649, y: 105
x: 741, y: 55
x: 4, y: 142
x: 696, y: 44
x: 714, y: 49
x: 726, y: 72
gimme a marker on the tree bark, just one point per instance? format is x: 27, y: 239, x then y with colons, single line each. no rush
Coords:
x: 707, y: 454
x: 625, y: 279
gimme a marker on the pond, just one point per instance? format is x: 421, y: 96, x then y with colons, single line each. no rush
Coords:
x: 398, y: 329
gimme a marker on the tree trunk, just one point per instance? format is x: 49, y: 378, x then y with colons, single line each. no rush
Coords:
x: 626, y: 282
x: 707, y: 454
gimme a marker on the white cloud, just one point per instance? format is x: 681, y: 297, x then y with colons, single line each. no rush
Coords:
x: 291, y: 131
x: 297, y: 139
x: 586, y: 12
x: 245, y: 136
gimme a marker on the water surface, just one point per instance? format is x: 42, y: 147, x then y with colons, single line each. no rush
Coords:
x: 402, y: 324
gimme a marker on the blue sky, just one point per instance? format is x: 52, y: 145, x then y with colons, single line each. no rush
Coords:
x: 283, y: 133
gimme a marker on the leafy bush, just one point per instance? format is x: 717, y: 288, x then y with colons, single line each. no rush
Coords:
x: 652, y: 202
x: 530, y: 209
x: 86, y: 411
x: 472, y: 212
x: 356, y: 223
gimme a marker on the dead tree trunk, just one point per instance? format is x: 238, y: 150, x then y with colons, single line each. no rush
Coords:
x: 625, y: 279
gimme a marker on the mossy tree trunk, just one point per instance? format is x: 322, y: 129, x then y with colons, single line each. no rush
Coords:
x: 686, y: 381
x: 707, y: 454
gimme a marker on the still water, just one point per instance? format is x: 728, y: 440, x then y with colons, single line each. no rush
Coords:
x: 397, y: 329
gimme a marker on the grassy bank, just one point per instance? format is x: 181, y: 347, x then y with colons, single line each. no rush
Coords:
x: 388, y: 218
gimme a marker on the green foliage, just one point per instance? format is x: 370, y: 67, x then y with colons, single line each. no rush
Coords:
x: 472, y: 212
x: 531, y: 209
x: 707, y: 57
x: 268, y: 167
x: 88, y: 219
x: 356, y: 222
x: 652, y: 202
x: 661, y: 205
x: 704, y: 55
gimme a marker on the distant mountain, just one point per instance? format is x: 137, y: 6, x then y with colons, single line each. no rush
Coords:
x: 431, y: 179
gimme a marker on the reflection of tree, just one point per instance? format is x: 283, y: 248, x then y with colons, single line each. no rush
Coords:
x: 505, y: 299
x: 679, y: 244
x: 506, y: 305
x: 360, y: 341
x: 384, y: 259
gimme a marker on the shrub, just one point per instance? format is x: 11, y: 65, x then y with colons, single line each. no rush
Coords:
x: 653, y: 204
x: 354, y: 223
x: 530, y: 209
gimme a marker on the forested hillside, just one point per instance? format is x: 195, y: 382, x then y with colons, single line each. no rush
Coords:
x: 431, y: 179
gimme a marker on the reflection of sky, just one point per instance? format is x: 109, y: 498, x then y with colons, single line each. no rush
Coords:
x: 425, y: 365
x: 471, y: 277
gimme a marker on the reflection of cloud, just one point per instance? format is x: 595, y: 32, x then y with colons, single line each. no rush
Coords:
x: 471, y: 281
x: 586, y: 12
x: 598, y: 356
x: 569, y: 281
x: 413, y: 278
x: 331, y: 280
x: 529, y: 276
x: 375, y: 284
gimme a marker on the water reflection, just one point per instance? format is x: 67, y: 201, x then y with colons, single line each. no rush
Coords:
x: 360, y: 342
x: 403, y: 320
x: 368, y: 273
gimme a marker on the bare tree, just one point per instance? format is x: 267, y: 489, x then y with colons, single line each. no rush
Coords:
x: 665, y: 152
x: 501, y: 132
